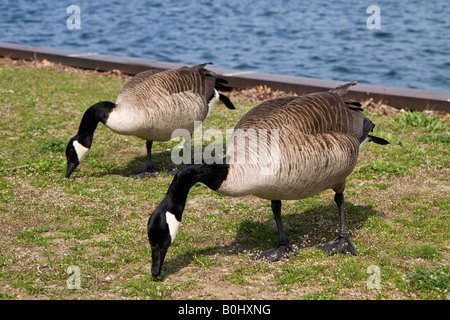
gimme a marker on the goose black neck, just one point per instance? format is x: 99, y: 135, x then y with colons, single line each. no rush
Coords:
x: 98, y: 112
x: 212, y: 175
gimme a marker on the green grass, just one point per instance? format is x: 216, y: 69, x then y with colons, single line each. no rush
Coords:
x: 419, y: 119
x: 396, y: 204
x: 430, y: 284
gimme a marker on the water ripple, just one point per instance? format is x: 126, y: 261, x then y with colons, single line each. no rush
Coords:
x: 319, y: 39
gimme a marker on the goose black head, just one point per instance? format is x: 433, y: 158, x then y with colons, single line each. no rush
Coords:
x: 162, y: 228
x: 165, y: 221
x: 75, y: 153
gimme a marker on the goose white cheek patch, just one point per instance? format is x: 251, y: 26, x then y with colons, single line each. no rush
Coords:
x: 173, y: 224
x: 81, y: 150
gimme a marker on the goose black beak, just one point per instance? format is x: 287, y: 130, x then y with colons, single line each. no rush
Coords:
x: 158, y: 256
x: 70, y: 168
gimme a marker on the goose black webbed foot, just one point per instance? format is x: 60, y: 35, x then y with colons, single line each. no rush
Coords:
x: 150, y: 170
x: 341, y: 243
x: 282, y: 251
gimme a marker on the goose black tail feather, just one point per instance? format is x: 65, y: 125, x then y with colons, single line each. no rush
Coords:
x: 226, y: 101
x: 222, y: 84
x: 355, y: 105
x: 378, y: 140
x: 367, y: 128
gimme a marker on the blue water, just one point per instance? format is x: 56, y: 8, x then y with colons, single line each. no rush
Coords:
x: 318, y: 39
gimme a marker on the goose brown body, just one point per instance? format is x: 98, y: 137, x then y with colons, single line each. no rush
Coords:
x: 151, y: 106
x: 284, y: 149
x: 317, y: 147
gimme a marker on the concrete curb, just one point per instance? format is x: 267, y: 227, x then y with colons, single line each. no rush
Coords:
x: 413, y: 99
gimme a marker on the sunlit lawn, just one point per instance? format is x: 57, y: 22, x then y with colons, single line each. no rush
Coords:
x: 397, y: 204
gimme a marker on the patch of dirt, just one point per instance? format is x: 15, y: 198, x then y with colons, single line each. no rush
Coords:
x: 45, y: 64
x: 379, y: 107
x: 211, y: 283
x: 258, y: 94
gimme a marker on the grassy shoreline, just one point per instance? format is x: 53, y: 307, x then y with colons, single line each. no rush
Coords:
x: 396, y: 202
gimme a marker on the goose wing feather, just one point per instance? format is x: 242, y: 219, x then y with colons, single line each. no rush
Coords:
x: 162, y: 102
x: 147, y: 85
x: 319, y: 138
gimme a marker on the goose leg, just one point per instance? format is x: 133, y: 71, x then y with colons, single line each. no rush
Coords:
x: 284, y: 248
x: 342, y: 242
x: 149, y: 168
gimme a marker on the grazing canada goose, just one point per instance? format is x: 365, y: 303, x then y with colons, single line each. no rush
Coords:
x: 151, y: 106
x: 313, y: 146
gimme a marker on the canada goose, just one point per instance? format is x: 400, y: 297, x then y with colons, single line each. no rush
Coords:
x: 150, y: 106
x: 316, y: 140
